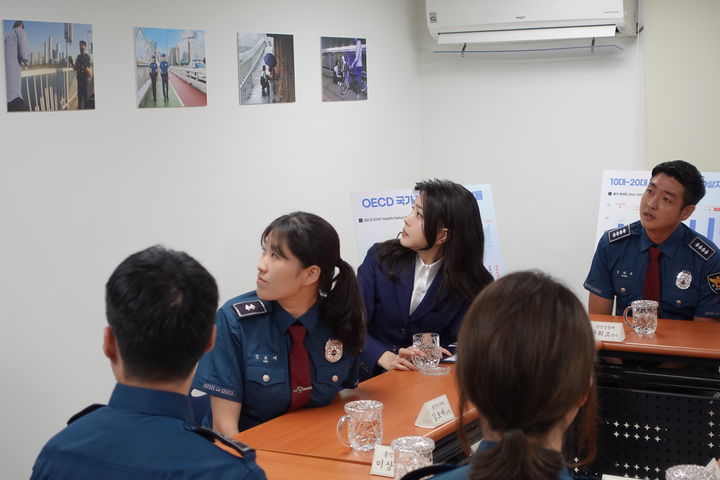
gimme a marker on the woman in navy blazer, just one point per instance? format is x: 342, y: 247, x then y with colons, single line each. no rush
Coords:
x: 425, y: 280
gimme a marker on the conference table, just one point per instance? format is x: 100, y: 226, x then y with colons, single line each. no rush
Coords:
x: 659, y: 407
x: 659, y: 399
x: 307, y: 437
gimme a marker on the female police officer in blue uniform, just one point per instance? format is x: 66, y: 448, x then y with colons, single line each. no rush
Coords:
x: 294, y: 341
x: 425, y: 280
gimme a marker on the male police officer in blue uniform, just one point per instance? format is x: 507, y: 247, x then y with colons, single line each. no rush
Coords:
x: 689, y: 263
x: 160, y: 306
x: 153, y: 66
x: 164, y: 74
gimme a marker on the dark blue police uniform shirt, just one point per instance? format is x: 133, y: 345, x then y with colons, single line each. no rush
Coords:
x: 153, y: 68
x: 462, y: 473
x: 164, y: 67
x: 689, y: 271
x: 142, y: 433
x: 250, y: 361
x: 387, y: 303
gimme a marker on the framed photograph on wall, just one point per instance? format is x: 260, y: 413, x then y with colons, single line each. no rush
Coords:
x: 266, y: 68
x: 170, y: 68
x: 344, y: 68
x: 48, y: 66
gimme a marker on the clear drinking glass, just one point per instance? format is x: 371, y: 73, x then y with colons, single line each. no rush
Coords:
x: 428, y: 354
x: 411, y: 453
x: 688, y: 472
x: 644, y: 316
x: 364, y: 421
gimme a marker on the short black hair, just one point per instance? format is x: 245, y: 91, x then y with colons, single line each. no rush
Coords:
x: 82, y: 42
x: 689, y: 177
x: 160, y: 305
x: 18, y: 23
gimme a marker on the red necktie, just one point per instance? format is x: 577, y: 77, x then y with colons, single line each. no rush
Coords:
x: 651, y: 285
x: 300, y: 384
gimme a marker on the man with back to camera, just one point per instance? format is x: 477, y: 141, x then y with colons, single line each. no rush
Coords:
x: 628, y: 258
x: 160, y: 306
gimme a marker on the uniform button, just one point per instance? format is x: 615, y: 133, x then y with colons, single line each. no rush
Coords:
x: 622, y: 289
x: 678, y: 302
x: 266, y: 378
x: 335, y: 378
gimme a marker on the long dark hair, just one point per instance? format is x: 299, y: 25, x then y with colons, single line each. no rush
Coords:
x: 446, y: 205
x: 525, y: 359
x: 315, y: 242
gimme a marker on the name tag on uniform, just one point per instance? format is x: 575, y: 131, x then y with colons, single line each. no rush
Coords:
x: 608, y: 331
x: 435, y: 412
x: 383, y: 462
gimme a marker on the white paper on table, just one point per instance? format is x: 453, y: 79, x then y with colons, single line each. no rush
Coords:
x: 383, y: 461
x: 608, y: 331
x: 435, y: 413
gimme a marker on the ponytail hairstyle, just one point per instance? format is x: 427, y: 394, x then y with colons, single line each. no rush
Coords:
x: 448, y: 205
x: 315, y: 242
x: 525, y: 360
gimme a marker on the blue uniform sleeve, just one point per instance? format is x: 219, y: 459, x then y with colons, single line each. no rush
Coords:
x: 220, y: 371
x: 366, y: 277
x: 353, y: 374
x: 709, y: 304
x: 599, y: 279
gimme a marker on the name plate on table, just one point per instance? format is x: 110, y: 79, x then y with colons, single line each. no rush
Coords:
x: 435, y: 412
x: 608, y: 331
x: 383, y: 462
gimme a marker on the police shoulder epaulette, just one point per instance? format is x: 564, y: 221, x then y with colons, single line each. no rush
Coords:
x: 245, y: 452
x: 618, y: 233
x: 85, y: 411
x: 701, y: 247
x: 249, y: 308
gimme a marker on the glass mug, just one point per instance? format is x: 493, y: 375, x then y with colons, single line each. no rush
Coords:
x: 428, y: 347
x: 688, y: 472
x: 364, y: 425
x: 644, y: 316
x: 411, y: 453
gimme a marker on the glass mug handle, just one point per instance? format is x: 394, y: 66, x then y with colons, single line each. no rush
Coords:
x: 340, y: 435
x: 625, y: 317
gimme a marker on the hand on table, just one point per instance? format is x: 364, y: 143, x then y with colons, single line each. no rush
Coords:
x: 401, y: 361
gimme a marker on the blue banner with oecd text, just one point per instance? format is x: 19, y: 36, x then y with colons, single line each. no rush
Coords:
x: 378, y: 216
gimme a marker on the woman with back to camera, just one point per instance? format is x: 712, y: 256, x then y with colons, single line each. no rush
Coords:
x: 525, y: 360
x: 425, y: 280
x: 294, y: 341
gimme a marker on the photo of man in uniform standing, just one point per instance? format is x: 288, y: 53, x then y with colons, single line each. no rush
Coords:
x: 164, y: 66
x: 153, y: 77
x: 83, y: 69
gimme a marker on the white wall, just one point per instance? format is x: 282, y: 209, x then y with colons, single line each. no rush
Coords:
x: 682, y: 68
x: 81, y: 190
x: 540, y: 130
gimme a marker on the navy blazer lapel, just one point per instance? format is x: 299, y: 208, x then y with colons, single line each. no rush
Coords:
x: 404, y: 289
x: 430, y: 298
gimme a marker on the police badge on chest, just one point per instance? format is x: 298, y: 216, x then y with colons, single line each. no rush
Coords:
x: 333, y: 350
x: 683, y: 280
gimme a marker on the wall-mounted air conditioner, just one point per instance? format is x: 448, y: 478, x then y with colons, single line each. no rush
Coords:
x: 510, y: 21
